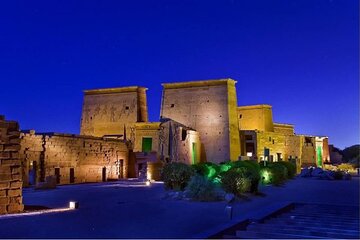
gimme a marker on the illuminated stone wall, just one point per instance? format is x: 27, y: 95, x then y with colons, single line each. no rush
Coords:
x: 308, y: 153
x: 259, y: 132
x: 322, y: 150
x: 285, y: 147
x: 255, y: 117
x: 171, y: 142
x: 87, y: 156
x: 209, y: 107
x: 107, y: 111
x: 286, y: 129
x: 281, y: 146
x: 10, y: 168
x: 293, y: 147
x: 275, y: 142
x: 146, y: 130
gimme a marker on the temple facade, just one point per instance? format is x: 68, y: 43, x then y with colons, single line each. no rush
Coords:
x: 264, y: 140
x: 199, y: 122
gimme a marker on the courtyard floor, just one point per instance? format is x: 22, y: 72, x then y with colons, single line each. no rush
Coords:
x: 129, y: 210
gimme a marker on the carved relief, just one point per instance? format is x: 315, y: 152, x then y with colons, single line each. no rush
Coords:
x: 112, y: 113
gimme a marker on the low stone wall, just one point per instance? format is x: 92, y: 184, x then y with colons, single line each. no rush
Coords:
x: 10, y: 168
x: 72, y: 158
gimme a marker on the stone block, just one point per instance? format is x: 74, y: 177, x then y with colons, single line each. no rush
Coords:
x: 3, y: 208
x: 4, y: 200
x: 3, y: 193
x: 4, y: 155
x: 4, y: 185
x: 16, y: 200
x: 11, y: 148
x: 15, y: 208
x: 15, y: 184
x: 10, y: 162
x: 14, y: 192
x: 5, y: 176
x: 16, y: 177
x: 13, y: 126
x: 4, y: 169
x: 15, y: 170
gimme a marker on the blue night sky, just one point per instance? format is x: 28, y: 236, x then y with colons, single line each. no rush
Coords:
x: 301, y: 57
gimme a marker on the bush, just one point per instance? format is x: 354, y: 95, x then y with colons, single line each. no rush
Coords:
x: 346, y: 167
x: 338, y: 175
x: 208, y: 169
x: 176, y: 175
x: 279, y: 173
x: 291, y: 168
x: 251, y: 170
x: 200, y: 188
x: 274, y: 173
x: 235, y: 181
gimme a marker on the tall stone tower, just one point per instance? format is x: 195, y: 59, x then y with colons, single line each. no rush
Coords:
x: 107, y: 111
x: 209, y: 107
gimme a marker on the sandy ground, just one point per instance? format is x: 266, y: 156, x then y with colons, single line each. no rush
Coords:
x: 124, y: 210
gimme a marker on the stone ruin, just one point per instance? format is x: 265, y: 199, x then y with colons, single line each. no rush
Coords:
x: 10, y: 168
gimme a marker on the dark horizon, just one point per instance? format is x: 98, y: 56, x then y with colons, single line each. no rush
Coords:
x: 301, y: 57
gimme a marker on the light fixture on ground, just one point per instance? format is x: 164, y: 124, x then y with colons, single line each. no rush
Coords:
x: 73, y: 205
x: 148, y: 182
x: 229, y: 211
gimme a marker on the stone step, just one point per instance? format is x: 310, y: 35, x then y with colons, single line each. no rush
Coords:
x: 229, y: 237
x: 331, y: 210
x: 311, y: 223
x: 267, y: 235
x: 319, y: 219
x: 322, y: 215
x: 293, y: 226
x: 320, y: 232
x: 324, y: 206
x: 340, y: 212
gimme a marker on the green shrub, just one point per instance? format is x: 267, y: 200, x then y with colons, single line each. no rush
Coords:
x: 235, y: 181
x: 224, y: 167
x: 266, y: 175
x: 274, y: 173
x: 291, y: 168
x: 200, y: 188
x: 251, y: 171
x: 279, y: 173
x: 176, y: 175
x: 208, y: 169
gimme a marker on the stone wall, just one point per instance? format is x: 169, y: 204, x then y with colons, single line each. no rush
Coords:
x: 288, y: 146
x: 74, y: 158
x: 181, y: 139
x: 146, y: 130
x: 255, y: 117
x: 287, y: 129
x: 108, y: 111
x: 206, y: 106
x: 10, y: 168
x: 275, y: 142
x: 285, y: 147
x: 308, y: 153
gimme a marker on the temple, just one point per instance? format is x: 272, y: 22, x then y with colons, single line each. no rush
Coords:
x: 200, y: 121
